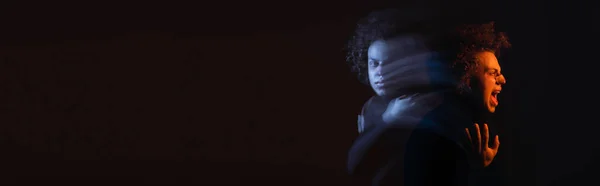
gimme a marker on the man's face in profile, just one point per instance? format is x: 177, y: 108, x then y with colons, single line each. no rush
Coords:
x: 487, y: 80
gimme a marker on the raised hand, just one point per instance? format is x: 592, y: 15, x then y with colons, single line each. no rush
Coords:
x: 484, y: 153
x: 416, y: 106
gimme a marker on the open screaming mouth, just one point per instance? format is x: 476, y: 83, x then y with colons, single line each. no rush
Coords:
x: 494, y: 97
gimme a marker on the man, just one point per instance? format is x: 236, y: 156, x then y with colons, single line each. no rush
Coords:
x: 432, y: 83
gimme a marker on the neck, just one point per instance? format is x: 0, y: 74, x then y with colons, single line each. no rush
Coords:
x: 476, y: 112
x: 480, y: 117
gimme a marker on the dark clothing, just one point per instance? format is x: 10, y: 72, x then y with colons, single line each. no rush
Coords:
x: 430, y: 153
x: 431, y: 159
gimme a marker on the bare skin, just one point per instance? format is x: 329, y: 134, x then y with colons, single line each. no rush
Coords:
x: 481, y: 146
x: 487, y: 83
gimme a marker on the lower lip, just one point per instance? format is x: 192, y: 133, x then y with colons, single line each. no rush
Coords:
x: 494, y: 100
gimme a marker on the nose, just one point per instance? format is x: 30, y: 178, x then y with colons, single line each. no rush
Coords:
x: 501, y: 80
x: 378, y: 71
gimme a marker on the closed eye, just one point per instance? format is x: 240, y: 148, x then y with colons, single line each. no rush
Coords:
x: 494, y: 72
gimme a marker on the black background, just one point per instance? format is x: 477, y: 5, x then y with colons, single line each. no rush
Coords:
x: 254, y: 93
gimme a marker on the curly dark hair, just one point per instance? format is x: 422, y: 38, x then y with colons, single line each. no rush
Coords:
x: 379, y: 25
x: 476, y: 38
x: 458, y: 39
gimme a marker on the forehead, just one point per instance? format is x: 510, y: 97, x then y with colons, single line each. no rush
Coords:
x: 381, y: 50
x: 396, y: 47
x: 487, y: 60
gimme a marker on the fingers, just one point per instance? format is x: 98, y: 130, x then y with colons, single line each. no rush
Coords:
x: 486, y: 136
x: 496, y: 144
x: 469, y: 135
x: 471, y: 145
x: 478, y: 140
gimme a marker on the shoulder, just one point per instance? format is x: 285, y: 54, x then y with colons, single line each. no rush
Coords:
x: 374, y: 101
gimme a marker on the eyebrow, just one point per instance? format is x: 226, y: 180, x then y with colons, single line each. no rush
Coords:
x: 492, y: 70
x: 376, y: 60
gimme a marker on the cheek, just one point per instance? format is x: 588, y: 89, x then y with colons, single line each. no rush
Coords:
x: 491, y: 82
x: 486, y: 83
x: 371, y: 71
x: 371, y: 78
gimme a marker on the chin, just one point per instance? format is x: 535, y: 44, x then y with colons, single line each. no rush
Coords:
x: 490, y: 108
x: 380, y: 92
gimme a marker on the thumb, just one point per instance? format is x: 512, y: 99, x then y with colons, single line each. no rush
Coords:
x: 496, y: 144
